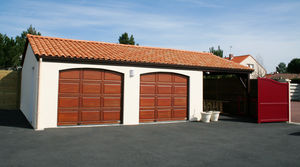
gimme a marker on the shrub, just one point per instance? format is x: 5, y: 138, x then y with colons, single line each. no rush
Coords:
x: 295, y: 80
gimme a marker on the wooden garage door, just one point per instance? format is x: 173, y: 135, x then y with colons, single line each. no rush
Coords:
x: 88, y: 96
x: 163, y: 97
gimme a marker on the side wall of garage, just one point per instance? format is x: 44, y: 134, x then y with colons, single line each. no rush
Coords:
x: 29, y: 86
x: 49, y: 80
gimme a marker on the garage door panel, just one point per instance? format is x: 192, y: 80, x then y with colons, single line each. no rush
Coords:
x: 72, y: 74
x: 87, y: 115
x: 164, y: 102
x: 110, y: 115
x: 147, y: 89
x: 180, y: 90
x: 180, y: 113
x: 90, y: 97
x: 163, y: 97
x: 147, y: 101
x: 90, y: 101
x: 91, y: 88
x: 112, y: 76
x: 112, y: 89
x: 111, y: 102
x: 147, y: 114
x: 68, y: 116
x: 92, y: 74
x: 180, y: 101
x: 164, y: 89
x: 148, y: 78
x: 164, y: 78
x: 69, y: 87
x: 180, y: 79
x: 164, y: 113
x: 68, y: 101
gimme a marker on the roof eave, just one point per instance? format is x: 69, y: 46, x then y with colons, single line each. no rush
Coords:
x: 143, y: 64
x: 24, y: 52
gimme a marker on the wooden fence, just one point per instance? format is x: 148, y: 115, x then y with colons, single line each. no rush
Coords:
x: 10, y: 83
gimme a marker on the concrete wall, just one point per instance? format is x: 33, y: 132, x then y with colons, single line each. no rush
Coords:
x: 48, y: 95
x: 259, y: 71
x: 29, y: 86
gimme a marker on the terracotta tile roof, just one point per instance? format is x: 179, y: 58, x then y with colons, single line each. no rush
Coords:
x: 50, y: 47
x: 238, y: 59
x: 282, y: 76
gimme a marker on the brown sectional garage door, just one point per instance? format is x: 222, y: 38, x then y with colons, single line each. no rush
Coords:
x: 88, y: 96
x: 163, y: 97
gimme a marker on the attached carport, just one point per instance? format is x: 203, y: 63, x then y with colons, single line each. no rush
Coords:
x: 228, y: 91
x: 262, y: 100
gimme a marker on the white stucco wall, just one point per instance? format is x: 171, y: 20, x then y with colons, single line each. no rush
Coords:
x: 259, y: 71
x: 48, y: 95
x: 28, y: 103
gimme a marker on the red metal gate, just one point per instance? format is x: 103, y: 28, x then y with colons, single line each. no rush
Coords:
x: 273, y: 101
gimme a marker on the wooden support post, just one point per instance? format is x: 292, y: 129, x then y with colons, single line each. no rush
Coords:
x: 245, y: 81
x: 248, y: 95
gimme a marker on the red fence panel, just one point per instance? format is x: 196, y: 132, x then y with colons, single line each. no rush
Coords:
x: 273, y: 101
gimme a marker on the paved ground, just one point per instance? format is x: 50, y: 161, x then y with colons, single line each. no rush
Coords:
x: 228, y: 142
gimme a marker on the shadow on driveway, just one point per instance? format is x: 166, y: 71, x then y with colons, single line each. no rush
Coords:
x: 231, y: 118
x: 295, y: 134
x: 13, y: 118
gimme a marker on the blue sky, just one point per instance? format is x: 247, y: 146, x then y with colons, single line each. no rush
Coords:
x: 268, y: 30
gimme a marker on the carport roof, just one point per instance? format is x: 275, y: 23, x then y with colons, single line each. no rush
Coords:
x: 51, y: 48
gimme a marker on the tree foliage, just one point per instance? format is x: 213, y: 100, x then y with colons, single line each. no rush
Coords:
x: 281, y: 68
x: 11, y: 49
x: 7, y: 51
x: 218, y: 52
x: 294, y: 66
x: 125, y: 39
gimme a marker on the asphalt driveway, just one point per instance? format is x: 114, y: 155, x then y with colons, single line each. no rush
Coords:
x: 229, y: 142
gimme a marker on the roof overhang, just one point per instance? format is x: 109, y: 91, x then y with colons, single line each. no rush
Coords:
x: 24, y: 52
x: 141, y: 64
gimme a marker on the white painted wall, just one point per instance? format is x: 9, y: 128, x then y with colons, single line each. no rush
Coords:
x: 29, y: 87
x: 259, y: 71
x: 48, y: 95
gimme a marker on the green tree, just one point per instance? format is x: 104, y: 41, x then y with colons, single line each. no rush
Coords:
x: 20, y: 43
x: 131, y: 40
x: 7, y: 50
x: 294, y: 66
x: 218, y: 52
x: 11, y: 49
x: 281, y: 68
x: 124, y: 39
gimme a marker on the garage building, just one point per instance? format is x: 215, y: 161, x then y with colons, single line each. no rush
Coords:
x: 74, y: 82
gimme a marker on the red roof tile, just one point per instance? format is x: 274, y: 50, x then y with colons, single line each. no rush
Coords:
x: 66, y: 48
x: 282, y: 76
x: 238, y: 59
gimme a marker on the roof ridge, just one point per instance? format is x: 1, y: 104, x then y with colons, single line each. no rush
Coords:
x: 243, y: 55
x: 123, y: 45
